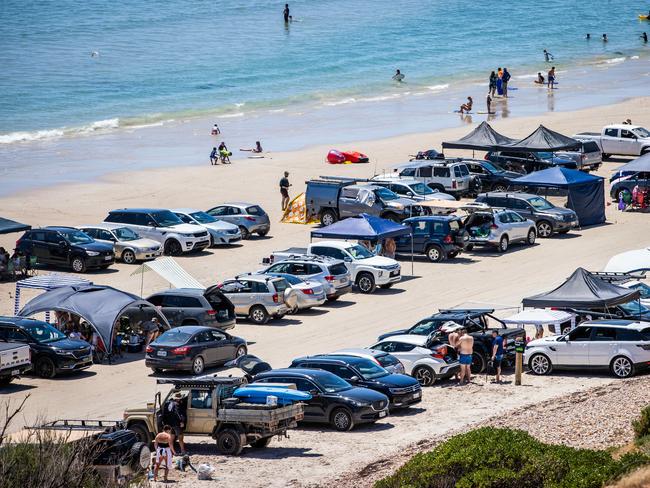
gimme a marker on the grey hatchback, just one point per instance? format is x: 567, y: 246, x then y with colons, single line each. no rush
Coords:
x: 250, y: 218
x: 189, y: 306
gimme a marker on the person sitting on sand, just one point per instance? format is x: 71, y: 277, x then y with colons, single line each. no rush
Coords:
x: 540, y: 79
x: 257, y: 149
x: 467, y: 107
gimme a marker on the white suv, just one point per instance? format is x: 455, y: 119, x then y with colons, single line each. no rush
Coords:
x: 620, y: 346
x: 163, y: 226
x: 447, y: 175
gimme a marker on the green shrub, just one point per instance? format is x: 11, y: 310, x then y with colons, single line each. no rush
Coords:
x: 507, y: 458
x: 641, y: 425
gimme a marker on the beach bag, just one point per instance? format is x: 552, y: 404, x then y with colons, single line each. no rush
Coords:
x: 205, y: 471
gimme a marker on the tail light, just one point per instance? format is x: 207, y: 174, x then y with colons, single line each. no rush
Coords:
x: 211, y: 312
x: 149, y: 349
x: 329, y: 278
x: 453, y: 184
x: 308, y: 291
x: 181, y: 351
x: 248, y: 217
x: 276, y: 298
x: 447, y: 240
x: 486, y: 157
x: 494, y: 226
x: 439, y: 352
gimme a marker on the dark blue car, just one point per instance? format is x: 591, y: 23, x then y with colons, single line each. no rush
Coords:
x: 438, y: 237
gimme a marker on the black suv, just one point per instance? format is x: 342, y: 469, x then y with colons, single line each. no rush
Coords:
x: 401, y: 390
x: 52, y: 351
x: 66, y: 247
x: 477, y: 322
x: 488, y: 176
x: 547, y: 217
x: 437, y: 237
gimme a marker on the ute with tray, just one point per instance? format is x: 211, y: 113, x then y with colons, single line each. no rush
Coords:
x: 211, y: 409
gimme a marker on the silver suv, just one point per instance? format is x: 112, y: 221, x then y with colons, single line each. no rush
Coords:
x: 333, y: 274
x: 127, y: 245
x: 497, y: 227
x: 260, y: 297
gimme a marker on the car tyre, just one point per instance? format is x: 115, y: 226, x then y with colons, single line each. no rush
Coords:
x: 503, y: 244
x: 327, y: 217
x: 341, y: 420
x: 141, y: 432
x: 435, y: 254
x: 157, y: 370
x: 532, y: 235
x: 173, y: 248
x: 198, y: 365
x: 261, y: 443
x: 622, y: 367
x: 128, y: 256
x: 366, y: 283
x: 78, y: 264
x: 244, y: 233
x: 258, y: 315
x: 425, y: 375
x: 500, y: 187
x: 469, y: 247
x: 45, y: 368
x: 139, y: 457
x: 263, y: 233
x: 241, y: 350
x: 540, y: 364
x: 604, y: 156
x: 230, y: 442
x: 544, y: 229
x: 478, y: 363
x: 386, y: 286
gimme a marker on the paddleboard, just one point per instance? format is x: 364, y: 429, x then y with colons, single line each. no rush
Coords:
x: 643, y: 17
x: 458, y: 112
x: 399, y: 77
x: 486, y: 113
x: 258, y: 394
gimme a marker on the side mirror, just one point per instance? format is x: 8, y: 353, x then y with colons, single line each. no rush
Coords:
x: 354, y: 379
x: 409, y: 193
x: 347, y: 259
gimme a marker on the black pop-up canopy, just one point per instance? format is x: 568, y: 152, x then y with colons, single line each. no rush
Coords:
x: 542, y: 139
x: 582, y: 290
x: 483, y: 137
x: 7, y: 226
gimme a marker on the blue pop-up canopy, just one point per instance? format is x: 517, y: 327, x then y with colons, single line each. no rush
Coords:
x: 364, y: 227
x: 586, y: 193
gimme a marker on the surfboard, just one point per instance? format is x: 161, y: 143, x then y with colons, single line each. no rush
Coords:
x: 258, y: 394
x: 643, y: 17
x: 486, y: 113
x: 399, y: 77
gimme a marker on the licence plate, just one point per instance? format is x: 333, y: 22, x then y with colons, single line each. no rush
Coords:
x: 417, y: 394
x: 15, y: 372
x: 161, y: 353
x: 108, y: 258
x: 382, y: 413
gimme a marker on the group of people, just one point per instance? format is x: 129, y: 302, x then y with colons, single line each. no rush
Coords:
x: 14, y: 265
x: 550, y: 80
x: 222, y: 153
x: 463, y: 343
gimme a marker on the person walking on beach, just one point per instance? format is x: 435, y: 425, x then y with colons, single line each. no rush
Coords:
x: 492, y: 87
x: 214, y: 159
x: 286, y: 13
x: 548, y: 56
x: 453, y: 338
x: 284, y: 190
x: 551, y: 77
x: 505, y: 79
x: 466, y: 349
x: 467, y: 107
x: 497, y: 353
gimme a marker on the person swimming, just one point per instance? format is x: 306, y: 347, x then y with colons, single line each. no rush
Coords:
x: 398, y: 76
x: 644, y: 36
x: 540, y: 79
x: 604, y: 37
x: 588, y: 36
x: 467, y: 107
x: 548, y: 56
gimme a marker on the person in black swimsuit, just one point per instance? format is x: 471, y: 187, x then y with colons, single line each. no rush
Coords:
x: 286, y: 13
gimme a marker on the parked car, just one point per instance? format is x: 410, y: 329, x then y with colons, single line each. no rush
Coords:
x: 52, y: 352
x: 437, y: 237
x: 221, y: 232
x: 643, y: 288
x: 334, y: 401
x: 127, y: 245
x: 620, y: 346
x: 401, y: 390
x: 260, y: 297
x: 193, y: 348
x: 528, y: 161
x: 15, y: 360
x: 624, y: 139
x: 588, y: 158
x: 627, y: 181
x: 249, y: 217
x: 330, y: 200
x: 490, y: 176
x: 331, y: 273
x: 66, y: 247
x: 446, y: 175
x: 310, y: 293
x: 634, y: 310
x: 479, y: 323
x: 426, y: 360
x: 547, y: 217
x: 410, y: 188
x: 162, y: 226
x: 387, y: 361
x: 367, y: 270
x: 191, y: 306
x: 498, y: 228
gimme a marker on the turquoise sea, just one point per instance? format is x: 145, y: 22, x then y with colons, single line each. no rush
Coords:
x: 156, y: 61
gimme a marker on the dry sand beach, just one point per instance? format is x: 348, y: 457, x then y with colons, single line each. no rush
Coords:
x: 314, y: 456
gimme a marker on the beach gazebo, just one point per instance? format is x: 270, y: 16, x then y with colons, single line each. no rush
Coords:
x: 45, y: 282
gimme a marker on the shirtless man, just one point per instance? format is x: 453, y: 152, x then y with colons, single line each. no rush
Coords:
x: 453, y: 341
x: 465, y: 348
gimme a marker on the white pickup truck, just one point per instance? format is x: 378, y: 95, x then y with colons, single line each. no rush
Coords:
x: 623, y: 139
x: 15, y: 359
x: 367, y: 269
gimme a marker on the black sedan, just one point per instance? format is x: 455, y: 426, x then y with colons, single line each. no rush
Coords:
x: 489, y: 176
x: 193, y: 348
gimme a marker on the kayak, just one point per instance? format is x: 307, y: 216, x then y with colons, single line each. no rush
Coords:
x: 355, y: 157
x: 259, y: 394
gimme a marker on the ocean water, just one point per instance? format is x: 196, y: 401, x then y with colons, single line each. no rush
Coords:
x: 167, y: 61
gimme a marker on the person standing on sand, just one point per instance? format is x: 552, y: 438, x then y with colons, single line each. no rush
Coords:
x: 492, y: 87
x: 284, y: 190
x: 497, y: 353
x: 286, y: 13
x: 466, y: 349
x: 551, y: 77
x: 505, y: 79
x: 488, y: 102
x: 453, y: 338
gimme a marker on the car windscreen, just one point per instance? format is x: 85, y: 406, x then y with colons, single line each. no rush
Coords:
x: 76, y: 236
x: 454, y: 225
x: 359, y: 252
x: 643, y: 289
x: 44, y: 333
x: 369, y: 369
x: 125, y: 234
x: 641, y: 132
x: 421, y: 189
x: 173, y: 337
x: 426, y: 327
x: 387, y: 360
x: 337, y: 269
x: 590, y: 146
x: 540, y: 203
x: 635, y: 308
x: 165, y: 218
x: 255, y: 210
x: 203, y: 218
x: 331, y: 383
x: 545, y: 155
x: 385, y: 194
x: 492, y: 168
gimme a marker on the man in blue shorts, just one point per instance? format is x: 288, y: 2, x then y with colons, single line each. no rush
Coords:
x: 466, y: 349
x: 497, y: 353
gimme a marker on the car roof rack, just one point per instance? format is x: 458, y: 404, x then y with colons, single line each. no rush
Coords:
x: 83, y: 425
x: 201, y: 382
x: 309, y: 257
x: 621, y: 277
x: 466, y: 310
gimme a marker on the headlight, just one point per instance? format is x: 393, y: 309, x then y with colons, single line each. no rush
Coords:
x: 387, y: 268
x: 360, y: 404
x: 92, y: 253
x: 62, y: 352
x: 396, y: 205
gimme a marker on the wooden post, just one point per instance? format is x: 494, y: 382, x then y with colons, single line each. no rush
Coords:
x: 520, y: 345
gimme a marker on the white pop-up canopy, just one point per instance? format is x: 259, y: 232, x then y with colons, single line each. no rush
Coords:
x: 629, y: 262
x: 170, y: 271
x: 540, y: 317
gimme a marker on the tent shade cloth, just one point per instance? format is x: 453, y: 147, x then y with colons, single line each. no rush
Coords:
x: 364, y: 227
x: 636, y: 165
x: 586, y: 193
x: 630, y: 261
x: 539, y: 316
x: 542, y: 139
x: 582, y: 290
x: 45, y: 282
x: 8, y: 226
x: 171, y: 272
x: 482, y: 137
x: 100, y: 306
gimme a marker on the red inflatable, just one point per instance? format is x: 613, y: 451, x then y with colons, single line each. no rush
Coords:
x: 335, y: 157
x: 345, y: 157
x: 355, y: 157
